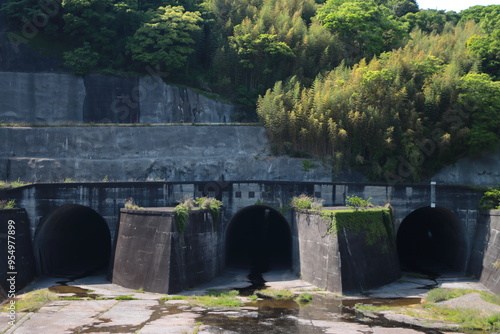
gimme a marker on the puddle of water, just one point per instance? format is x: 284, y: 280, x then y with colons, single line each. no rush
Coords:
x: 75, y: 290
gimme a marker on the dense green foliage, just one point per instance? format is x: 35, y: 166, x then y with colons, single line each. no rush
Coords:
x: 490, y: 199
x: 397, y: 117
x: 377, y: 85
x: 375, y: 225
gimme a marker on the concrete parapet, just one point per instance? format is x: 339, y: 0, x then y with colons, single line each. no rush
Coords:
x: 344, y: 261
x: 154, y: 254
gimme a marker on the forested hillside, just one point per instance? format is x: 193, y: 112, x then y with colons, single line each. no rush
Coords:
x: 377, y: 85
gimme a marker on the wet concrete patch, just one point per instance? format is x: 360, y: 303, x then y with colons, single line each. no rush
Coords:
x: 76, y: 291
x: 326, y: 313
x: 392, y: 302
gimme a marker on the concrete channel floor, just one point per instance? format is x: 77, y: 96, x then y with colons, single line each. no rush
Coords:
x: 147, y: 315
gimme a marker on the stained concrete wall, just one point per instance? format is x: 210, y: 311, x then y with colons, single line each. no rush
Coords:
x: 485, y: 259
x: 343, y: 262
x: 24, y: 261
x: 154, y: 255
x: 107, y: 197
x: 173, y: 153
x: 319, y: 259
x: 41, y: 98
x: 482, y: 169
x: 54, y: 98
x: 161, y: 103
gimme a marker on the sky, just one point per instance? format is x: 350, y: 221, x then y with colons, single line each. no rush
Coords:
x: 456, y: 5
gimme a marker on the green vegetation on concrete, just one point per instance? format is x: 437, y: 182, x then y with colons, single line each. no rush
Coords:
x: 13, y: 184
x: 304, y: 202
x: 355, y: 202
x: 374, y: 224
x: 131, y: 205
x: 283, y: 294
x: 466, y: 318
x: 6, y: 204
x: 213, y: 206
x: 125, y: 298
x: 304, y: 298
x: 213, y: 299
x: 276, y: 294
x: 32, y: 301
x: 442, y: 294
x: 184, y: 208
x: 362, y: 218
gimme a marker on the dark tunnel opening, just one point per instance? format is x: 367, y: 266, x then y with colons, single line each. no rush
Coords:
x: 259, y: 238
x: 73, y: 241
x: 431, y: 240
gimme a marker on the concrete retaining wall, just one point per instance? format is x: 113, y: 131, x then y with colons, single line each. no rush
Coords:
x: 485, y: 259
x: 152, y: 254
x: 342, y: 262
x: 54, y: 98
x: 172, y: 153
x: 21, y: 251
x: 482, y: 169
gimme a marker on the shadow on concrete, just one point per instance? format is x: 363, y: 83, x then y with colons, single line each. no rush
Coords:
x: 431, y: 240
x: 260, y: 238
x: 72, y: 241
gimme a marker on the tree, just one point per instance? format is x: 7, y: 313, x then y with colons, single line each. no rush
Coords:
x: 166, y: 39
x: 81, y: 60
x: 365, y: 27
x: 430, y: 20
x: 480, y: 98
x: 105, y: 25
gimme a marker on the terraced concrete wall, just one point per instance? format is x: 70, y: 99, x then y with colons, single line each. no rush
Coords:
x: 171, y: 153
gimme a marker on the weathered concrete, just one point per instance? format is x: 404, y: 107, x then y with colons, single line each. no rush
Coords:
x: 16, y: 248
x: 485, y: 258
x: 41, y: 98
x: 480, y: 170
x: 107, y: 99
x: 41, y: 200
x: 153, y: 254
x: 53, y: 98
x: 149, y: 315
x: 173, y: 153
x: 162, y: 103
x: 106, y: 198
x: 343, y: 261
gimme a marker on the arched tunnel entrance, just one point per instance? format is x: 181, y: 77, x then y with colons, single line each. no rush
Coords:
x: 259, y: 237
x: 431, y: 240
x: 72, y: 241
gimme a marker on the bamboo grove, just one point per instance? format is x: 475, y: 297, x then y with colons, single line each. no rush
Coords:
x: 397, y: 117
